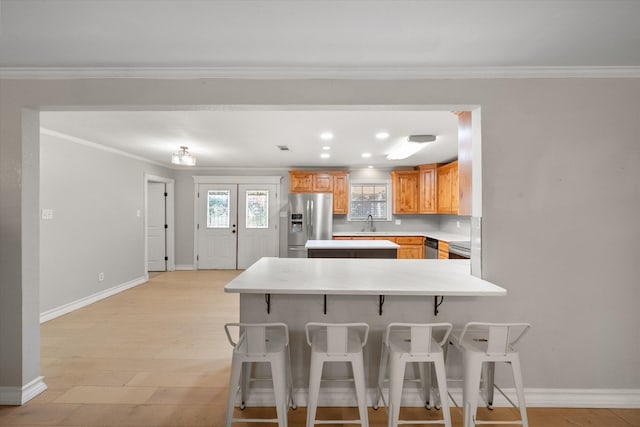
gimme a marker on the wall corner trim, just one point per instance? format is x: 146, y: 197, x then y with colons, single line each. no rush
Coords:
x: 21, y: 395
x: 83, y: 302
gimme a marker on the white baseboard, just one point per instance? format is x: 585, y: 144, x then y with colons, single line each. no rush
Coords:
x: 83, y: 302
x: 21, y: 395
x: 185, y: 267
x: 534, y: 397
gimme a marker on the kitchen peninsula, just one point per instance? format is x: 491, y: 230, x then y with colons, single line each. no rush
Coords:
x: 377, y: 291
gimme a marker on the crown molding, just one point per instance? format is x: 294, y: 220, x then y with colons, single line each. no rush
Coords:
x: 349, y: 73
x: 76, y: 140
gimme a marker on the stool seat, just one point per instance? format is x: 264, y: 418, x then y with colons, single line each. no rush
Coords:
x: 488, y: 343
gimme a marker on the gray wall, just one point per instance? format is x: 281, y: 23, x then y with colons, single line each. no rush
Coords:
x: 95, y: 196
x: 560, y: 199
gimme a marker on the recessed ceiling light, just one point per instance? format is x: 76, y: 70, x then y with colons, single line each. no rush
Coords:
x: 326, y: 136
x: 325, y: 155
x: 326, y: 147
x: 366, y: 155
x: 382, y: 135
x: 370, y: 166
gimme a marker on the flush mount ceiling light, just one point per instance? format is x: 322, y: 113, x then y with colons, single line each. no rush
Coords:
x: 366, y: 155
x: 382, y: 135
x: 325, y: 155
x: 183, y: 157
x: 410, y: 146
x: 326, y: 136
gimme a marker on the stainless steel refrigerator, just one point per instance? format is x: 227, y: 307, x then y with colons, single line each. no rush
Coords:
x: 310, y: 218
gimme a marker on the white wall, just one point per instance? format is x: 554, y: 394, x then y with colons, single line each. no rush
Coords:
x: 560, y: 199
x: 95, y: 196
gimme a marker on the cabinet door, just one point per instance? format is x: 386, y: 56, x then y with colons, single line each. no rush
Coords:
x: 300, y: 182
x: 410, y: 252
x: 322, y: 182
x: 405, y: 192
x: 340, y: 194
x: 448, y: 197
x: 443, y: 250
x: 427, y: 195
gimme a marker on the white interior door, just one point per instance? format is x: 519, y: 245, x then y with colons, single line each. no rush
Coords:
x: 257, y: 223
x: 156, y: 231
x: 217, y: 226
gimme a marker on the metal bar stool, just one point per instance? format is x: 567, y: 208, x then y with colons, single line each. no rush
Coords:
x: 267, y: 343
x: 413, y: 343
x: 489, y: 342
x: 336, y: 342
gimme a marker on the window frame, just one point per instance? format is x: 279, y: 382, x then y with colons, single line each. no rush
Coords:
x: 364, y: 181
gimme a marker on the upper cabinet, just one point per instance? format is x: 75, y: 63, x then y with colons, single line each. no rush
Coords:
x: 404, y: 187
x: 448, y: 197
x: 335, y: 182
x: 427, y: 189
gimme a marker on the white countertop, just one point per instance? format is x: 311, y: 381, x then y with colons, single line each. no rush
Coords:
x: 445, y: 236
x: 358, y: 276
x: 350, y: 244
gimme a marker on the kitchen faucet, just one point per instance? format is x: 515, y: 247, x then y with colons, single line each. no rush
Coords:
x: 369, y: 224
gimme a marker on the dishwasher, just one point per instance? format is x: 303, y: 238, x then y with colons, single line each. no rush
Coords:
x: 430, y: 248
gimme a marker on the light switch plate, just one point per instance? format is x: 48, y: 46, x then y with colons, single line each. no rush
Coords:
x: 47, y: 213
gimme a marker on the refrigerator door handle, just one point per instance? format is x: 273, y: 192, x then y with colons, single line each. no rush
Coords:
x: 311, y: 221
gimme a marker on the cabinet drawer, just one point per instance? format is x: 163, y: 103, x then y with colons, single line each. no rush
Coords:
x: 410, y: 240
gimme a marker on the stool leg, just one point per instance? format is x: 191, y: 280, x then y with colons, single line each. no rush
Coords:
x: 425, y: 382
x: 234, y: 382
x: 441, y: 377
x: 246, y: 376
x: 357, y: 365
x: 314, y: 388
x: 472, y: 372
x: 290, y: 381
x: 280, y: 389
x: 491, y: 370
x: 396, y: 381
x: 382, y: 372
x: 517, y: 378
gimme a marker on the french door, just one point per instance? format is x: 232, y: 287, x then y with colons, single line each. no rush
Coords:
x: 237, y: 224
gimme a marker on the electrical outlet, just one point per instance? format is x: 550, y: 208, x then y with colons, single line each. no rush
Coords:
x: 458, y: 224
x: 47, y: 213
x: 100, y: 277
x: 398, y: 221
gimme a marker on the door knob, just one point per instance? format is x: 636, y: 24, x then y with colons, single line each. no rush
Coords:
x: 233, y: 231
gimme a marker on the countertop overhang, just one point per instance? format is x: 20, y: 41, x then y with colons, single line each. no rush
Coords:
x: 354, y: 276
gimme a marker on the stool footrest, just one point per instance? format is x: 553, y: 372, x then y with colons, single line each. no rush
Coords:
x: 420, y: 422
x: 337, y: 422
x: 498, y: 422
x: 254, y: 420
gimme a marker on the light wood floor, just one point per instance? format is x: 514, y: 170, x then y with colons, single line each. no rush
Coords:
x: 156, y: 355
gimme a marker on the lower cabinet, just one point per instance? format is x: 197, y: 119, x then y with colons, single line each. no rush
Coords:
x: 443, y: 250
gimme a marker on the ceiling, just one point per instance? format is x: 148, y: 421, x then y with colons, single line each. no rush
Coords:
x: 311, y: 35
x: 240, y: 138
x: 302, y: 39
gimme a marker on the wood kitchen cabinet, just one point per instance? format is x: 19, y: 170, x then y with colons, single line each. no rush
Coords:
x: 448, y: 197
x: 404, y: 187
x: 443, y: 250
x: 340, y: 193
x: 335, y: 182
x: 427, y: 189
x: 411, y: 247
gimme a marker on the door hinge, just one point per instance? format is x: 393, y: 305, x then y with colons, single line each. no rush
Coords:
x: 198, y: 227
x: 197, y: 257
x: 166, y: 226
x: 166, y: 258
x: 166, y: 194
x: 198, y: 194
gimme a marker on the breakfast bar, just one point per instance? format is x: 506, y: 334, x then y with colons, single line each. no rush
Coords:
x: 376, y: 291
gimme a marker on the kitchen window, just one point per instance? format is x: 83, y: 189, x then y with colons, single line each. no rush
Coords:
x: 370, y: 198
